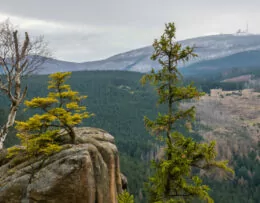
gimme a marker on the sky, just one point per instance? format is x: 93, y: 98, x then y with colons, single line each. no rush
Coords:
x: 88, y: 30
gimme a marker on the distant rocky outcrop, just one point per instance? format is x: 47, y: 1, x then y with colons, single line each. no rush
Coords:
x: 87, y: 172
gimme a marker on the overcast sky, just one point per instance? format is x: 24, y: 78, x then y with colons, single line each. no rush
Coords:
x: 85, y: 30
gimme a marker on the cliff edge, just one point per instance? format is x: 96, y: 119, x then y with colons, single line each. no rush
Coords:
x: 87, y: 172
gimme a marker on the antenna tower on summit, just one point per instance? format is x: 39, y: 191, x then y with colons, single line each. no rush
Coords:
x: 241, y: 32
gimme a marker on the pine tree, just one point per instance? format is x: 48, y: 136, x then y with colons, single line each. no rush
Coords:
x: 61, y: 113
x: 175, y: 179
x: 125, y: 197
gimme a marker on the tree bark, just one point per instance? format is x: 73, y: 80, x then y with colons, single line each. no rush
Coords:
x: 17, y: 59
x: 10, y: 122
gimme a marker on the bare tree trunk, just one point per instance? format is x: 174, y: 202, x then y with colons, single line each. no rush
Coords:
x: 10, y: 122
x: 16, y: 100
x: 18, y: 57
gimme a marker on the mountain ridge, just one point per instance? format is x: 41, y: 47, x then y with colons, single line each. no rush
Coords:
x: 138, y: 60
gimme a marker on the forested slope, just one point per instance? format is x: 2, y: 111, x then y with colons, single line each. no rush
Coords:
x: 119, y: 103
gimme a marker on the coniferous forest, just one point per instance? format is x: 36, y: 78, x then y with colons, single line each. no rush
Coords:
x: 183, y: 134
x: 119, y: 103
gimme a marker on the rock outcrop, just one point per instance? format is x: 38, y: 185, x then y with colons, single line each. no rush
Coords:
x: 87, y: 172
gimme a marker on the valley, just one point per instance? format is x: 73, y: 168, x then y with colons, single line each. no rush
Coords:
x: 119, y: 103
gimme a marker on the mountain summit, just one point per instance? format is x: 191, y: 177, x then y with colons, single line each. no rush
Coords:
x: 207, y: 48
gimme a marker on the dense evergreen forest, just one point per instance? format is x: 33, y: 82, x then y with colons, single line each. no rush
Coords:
x: 119, y: 103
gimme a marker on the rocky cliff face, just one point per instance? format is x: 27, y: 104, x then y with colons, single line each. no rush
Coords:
x: 87, y: 172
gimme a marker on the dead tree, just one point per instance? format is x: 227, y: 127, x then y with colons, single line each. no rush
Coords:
x: 19, y: 57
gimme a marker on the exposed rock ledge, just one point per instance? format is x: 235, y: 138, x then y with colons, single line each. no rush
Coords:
x: 88, y: 172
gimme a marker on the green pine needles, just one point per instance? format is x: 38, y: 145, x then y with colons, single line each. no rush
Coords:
x: 61, y: 112
x: 125, y: 197
x: 175, y: 178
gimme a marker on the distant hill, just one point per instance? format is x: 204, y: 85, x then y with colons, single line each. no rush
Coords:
x: 228, y: 66
x: 208, y: 48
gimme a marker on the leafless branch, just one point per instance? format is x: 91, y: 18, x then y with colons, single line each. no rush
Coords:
x: 19, y: 57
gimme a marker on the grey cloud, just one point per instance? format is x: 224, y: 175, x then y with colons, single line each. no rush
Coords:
x: 82, y: 30
x: 116, y: 12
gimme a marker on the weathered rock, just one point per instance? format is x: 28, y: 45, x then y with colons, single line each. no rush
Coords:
x: 124, y: 182
x: 87, y: 172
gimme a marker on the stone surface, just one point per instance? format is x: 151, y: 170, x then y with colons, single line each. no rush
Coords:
x: 87, y: 172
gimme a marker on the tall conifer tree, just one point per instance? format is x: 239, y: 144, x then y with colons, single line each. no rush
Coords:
x: 175, y: 179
